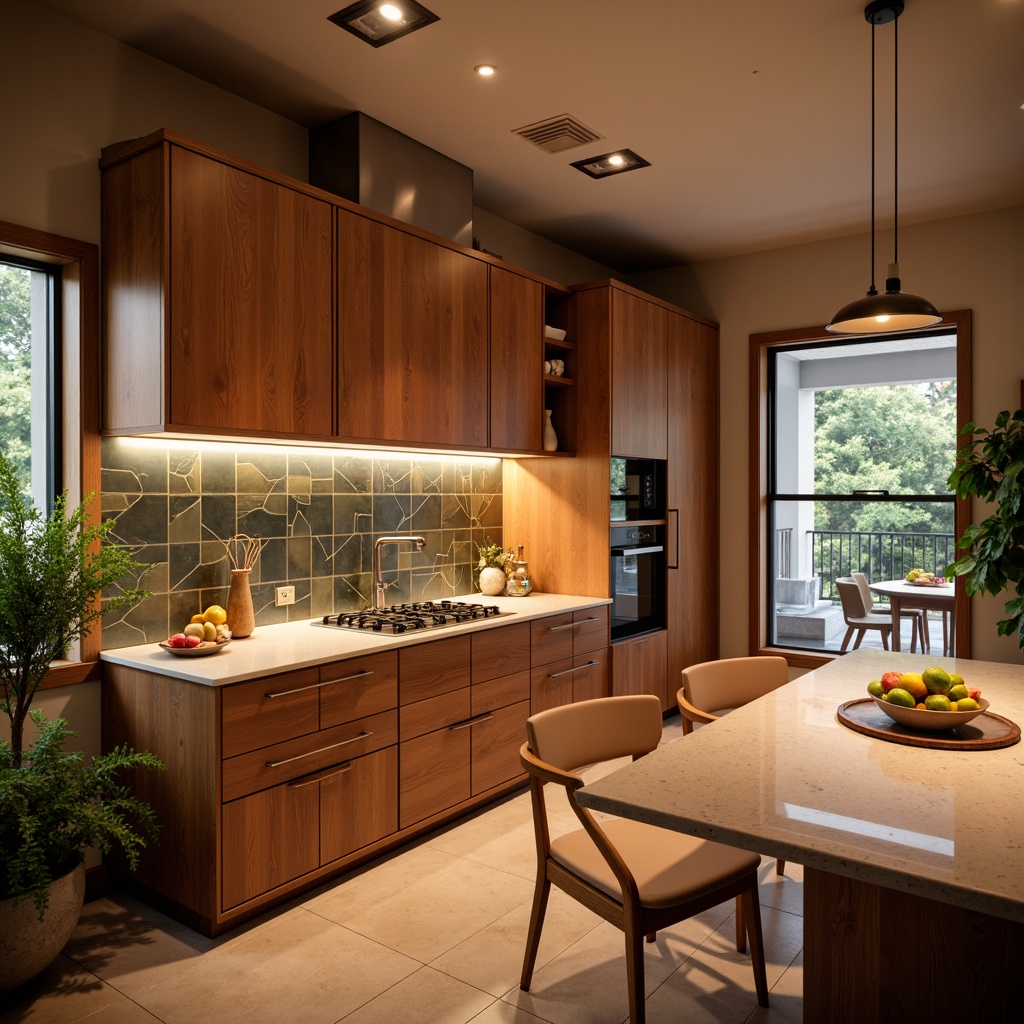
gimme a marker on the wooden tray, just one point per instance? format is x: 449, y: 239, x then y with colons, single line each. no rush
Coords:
x: 986, y: 732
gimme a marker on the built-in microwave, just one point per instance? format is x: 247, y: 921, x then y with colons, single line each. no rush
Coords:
x: 637, y: 580
x: 637, y: 489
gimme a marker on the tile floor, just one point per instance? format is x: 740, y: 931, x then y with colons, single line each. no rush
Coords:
x: 433, y: 933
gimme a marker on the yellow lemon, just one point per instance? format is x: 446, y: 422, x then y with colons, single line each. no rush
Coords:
x: 198, y: 617
x: 967, y: 704
x: 215, y: 614
x: 913, y: 684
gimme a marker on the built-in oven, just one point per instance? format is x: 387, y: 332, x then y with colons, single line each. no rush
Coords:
x: 637, y: 580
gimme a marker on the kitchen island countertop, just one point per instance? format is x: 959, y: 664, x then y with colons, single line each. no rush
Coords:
x: 293, y: 645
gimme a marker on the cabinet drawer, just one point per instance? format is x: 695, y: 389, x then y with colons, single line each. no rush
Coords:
x: 590, y: 629
x: 358, y: 806
x: 434, y: 774
x: 499, y: 693
x: 433, y: 668
x: 496, y: 743
x: 269, y: 710
x: 269, y: 839
x: 434, y: 713
x: 500, y: 652
x: 357, y: 688
x: 551, y: 685
x: 282, y: 762
x: 551, y: 639
x: 590, y: 675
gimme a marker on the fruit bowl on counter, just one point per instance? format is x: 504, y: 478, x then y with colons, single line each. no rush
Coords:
x: 934, y: 700
x: 933, y: 721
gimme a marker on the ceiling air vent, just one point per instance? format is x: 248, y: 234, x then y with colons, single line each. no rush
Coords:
x: 558, y: 133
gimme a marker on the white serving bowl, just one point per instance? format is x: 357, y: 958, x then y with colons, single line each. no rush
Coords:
x: 932, y: 721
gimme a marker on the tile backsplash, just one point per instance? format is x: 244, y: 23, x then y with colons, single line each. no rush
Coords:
x: 317, y: 512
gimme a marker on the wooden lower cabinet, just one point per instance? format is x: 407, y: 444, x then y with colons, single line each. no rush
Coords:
x: 639, y: 667
x: 274, y: 785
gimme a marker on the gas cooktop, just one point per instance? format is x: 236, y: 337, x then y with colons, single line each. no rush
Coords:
x: 411, y: 618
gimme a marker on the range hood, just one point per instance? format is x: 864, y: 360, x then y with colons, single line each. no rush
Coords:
x: 361, y: 159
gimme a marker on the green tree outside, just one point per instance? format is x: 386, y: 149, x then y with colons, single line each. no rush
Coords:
x: 16, y: 369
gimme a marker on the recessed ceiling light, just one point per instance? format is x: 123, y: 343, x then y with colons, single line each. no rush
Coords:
x: 611, y: 163
x: 378, y: 23
x: 485, y: 70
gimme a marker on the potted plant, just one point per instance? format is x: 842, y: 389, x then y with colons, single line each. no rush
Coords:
x: 990, y: 466
x: 54, y: 804
x: 494, y: 568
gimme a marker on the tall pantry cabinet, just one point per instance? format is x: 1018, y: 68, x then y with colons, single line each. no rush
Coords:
x: 647, y: 386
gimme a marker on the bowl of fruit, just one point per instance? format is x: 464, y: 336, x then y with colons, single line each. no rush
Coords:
x: 921, y: 578
x: 933, y: 700
x: 207, y: 633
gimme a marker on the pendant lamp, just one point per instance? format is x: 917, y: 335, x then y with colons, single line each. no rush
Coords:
x: 895, y: 310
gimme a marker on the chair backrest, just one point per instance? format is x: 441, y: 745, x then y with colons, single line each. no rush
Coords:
x: 865, y: 590
x: 576, y: 735
x: 849, y: 597
x: 732, y: 682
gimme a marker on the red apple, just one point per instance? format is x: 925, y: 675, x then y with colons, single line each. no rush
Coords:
x: 178, y: 640
x: 192, y: 641
x: 890, y: 680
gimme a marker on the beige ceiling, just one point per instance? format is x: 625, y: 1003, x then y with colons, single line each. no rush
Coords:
x: 755, y: 116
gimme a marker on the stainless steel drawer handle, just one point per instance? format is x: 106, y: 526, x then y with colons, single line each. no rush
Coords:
x: 320, y: 776
x: 316, y: 686
x: 582, y: 622
x: 569, y: 671
x: 298, y: 757
x: 470, y: 721
x: 555, y: 629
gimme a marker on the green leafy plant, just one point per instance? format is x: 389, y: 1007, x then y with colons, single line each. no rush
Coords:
x: 493, y: 557
x: 55, y: 804
x: 53, y: 571
x: 990, y: 466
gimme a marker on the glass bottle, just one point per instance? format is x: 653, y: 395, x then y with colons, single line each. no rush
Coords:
x: 520, y: 582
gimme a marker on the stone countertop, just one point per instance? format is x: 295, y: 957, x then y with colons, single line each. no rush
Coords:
x: 783, y: 777
x: 294, y: 645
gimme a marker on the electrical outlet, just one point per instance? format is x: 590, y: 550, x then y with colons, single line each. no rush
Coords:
x: 284, y: 595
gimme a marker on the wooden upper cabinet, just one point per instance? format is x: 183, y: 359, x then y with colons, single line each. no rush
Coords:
x: 639, y: 390
x: 412, y: 338
x: 516, y: 325
x: 218, y: 298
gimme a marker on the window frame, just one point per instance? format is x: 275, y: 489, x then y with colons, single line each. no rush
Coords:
x: 77, y: 345
x: 760, y: 346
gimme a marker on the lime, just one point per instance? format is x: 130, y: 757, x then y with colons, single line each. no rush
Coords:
x: 875, y: 688
x: 936, y: 679
x: 901, y: 697
x: 967, y: 704
x: 955, y: 680
x: 958, y: 692
x: 936, y: 702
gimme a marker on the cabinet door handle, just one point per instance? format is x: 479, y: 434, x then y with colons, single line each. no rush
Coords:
x: 592, y: 618
x: 555, y: 629
x: 316, y: 686
x: 298, y: 757
x: 470, y: 721
x: 674, y: 557
x: 320, y: 776
x: 575, y: 668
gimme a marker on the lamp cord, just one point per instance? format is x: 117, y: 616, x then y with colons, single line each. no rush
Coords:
x: 895, y: 140
x: 872, y: 290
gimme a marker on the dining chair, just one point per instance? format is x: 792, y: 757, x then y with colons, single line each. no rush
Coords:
x: 918, y: 616
x: 858, y: 618
x: 714, y: 687
x: 639, y: 877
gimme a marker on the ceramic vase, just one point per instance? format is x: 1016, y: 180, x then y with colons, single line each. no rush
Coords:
x: 241, y: 617
x: 550, y: 437
x: 492, y: 581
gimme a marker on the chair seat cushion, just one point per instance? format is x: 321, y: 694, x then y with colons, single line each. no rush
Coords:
x: 669, y: 867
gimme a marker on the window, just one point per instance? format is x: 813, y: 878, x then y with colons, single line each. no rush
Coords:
x: 856, y: 438
x: 30, y: 412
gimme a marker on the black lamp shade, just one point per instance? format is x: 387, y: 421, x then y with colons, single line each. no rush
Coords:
x: 884, y: 314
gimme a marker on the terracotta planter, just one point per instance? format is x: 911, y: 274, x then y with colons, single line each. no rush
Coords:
x: 28, y: 945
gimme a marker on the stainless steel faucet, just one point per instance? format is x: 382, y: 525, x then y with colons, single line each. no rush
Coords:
x: 378, y: 571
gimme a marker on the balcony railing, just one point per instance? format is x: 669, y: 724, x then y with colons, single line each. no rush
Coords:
x: 880, y: 556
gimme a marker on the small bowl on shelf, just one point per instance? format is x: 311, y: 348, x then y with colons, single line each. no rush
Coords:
x: 554, y: 333
x: 929, y: 721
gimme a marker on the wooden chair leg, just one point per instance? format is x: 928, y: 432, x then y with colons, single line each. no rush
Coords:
x: 913, y: 634
x: 860, y: 637
x: 780, y: 867
x: 650, y: 936
x: 846, y: 640
x: 635, y: 975
x: 752, y: 914
x: 885, y: 639
x: 926, y: 634
x: 741, y: 927
x: 540, y: 905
